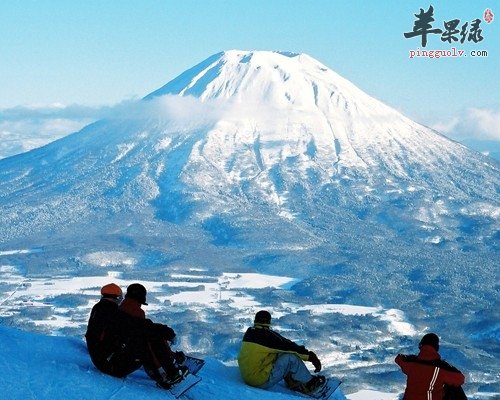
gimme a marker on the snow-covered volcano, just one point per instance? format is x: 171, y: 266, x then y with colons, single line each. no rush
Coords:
x: 266, y: 133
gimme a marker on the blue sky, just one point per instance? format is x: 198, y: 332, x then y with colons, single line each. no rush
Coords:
x: 98, y: 53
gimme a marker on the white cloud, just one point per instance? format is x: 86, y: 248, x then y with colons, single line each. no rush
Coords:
x: 446, y: 126
x: 488, y: 122
x: 474, y: 123
x: 184, y: 111
x: 23, y: 128
x: 188, y: 113
x: 23, y: 135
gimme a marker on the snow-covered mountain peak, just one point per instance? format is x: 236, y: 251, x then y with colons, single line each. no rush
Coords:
x: 297, y: 102
x: 279, y: 78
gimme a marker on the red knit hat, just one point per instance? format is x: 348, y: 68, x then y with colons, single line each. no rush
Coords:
x: 111, y: 290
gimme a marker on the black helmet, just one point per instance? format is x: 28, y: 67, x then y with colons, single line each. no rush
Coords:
x: 430, y: 339
x: 263, y: 317
x: 137, y: 292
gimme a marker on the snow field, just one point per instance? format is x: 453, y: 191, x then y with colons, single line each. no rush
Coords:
x: 47, y: 367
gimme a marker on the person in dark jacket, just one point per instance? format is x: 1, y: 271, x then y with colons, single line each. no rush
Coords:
x: 119, y: 343
x: 427, y: 375
x: 160, y: 344
x: 266, y: 358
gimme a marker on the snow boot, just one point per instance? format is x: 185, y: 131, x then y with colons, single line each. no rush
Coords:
x: 313, y: 385
x: 167, y: 381
x: 292, y: 384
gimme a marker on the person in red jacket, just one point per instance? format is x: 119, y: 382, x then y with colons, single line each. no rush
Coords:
x: 134, y: 299
x: 427, y: 375
x: 162, y: 337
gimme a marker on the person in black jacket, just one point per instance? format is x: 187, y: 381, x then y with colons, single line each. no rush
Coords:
x: 266, y: 358
x: 119, y: 344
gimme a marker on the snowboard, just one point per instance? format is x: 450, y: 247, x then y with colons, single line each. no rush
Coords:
x: 193, y: 364
x: 325, y: 391
x: 183, y: 386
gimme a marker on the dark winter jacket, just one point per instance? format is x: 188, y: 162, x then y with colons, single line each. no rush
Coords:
x: 260, y: 349
x: 109, y: 330
x: 427, y: 374
x: 103, y: 336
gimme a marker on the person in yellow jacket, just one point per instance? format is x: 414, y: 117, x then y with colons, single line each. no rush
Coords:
x: 266, y: 358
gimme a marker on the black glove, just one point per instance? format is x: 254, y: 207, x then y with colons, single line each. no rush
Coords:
x: 179, y: 357
x: 315, y: 361
x: 165, y: 332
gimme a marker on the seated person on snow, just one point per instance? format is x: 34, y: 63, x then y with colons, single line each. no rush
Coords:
x: 429, y: 377
x: 266, y: 358
x: 120, y: 342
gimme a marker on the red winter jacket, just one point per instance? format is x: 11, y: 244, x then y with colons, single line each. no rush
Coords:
x: 133, y: 308
x: 426, y: 374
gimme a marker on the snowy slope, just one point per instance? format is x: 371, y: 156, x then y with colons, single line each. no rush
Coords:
x: 46, y: 368
x: 263, y: 163
x: 41, y: 367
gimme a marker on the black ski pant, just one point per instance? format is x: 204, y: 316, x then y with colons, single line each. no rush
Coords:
x: 151, y: 352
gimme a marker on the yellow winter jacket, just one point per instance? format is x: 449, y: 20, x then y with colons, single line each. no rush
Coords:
x: 259, y: 349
